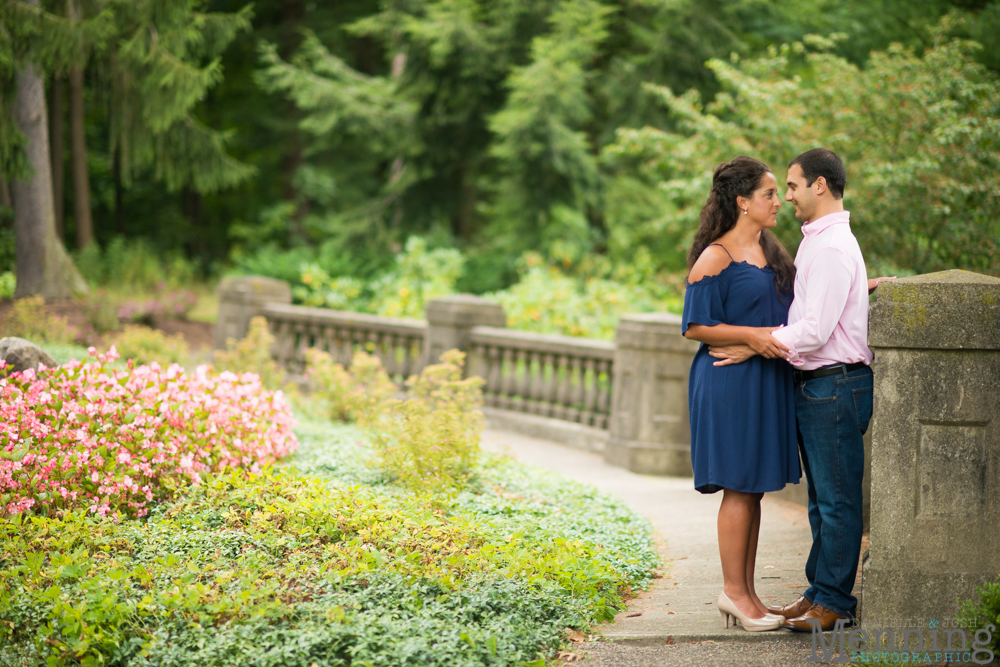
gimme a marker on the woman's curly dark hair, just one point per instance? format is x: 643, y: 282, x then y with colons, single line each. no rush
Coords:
x: 739, y: 178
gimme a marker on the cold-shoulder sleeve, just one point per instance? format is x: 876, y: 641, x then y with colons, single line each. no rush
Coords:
x: 704, y: 301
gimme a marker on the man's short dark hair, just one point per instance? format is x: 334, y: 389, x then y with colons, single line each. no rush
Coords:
x: 823, y: 162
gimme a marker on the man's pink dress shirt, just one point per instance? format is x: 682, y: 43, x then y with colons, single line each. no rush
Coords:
x: 828, y: 319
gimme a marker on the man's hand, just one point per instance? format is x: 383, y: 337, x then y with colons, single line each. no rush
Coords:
x: 766, y: 345
x: 873, y: 283
x: 731, y: 354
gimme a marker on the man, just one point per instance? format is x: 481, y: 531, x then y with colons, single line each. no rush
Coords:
x: 827, y: 343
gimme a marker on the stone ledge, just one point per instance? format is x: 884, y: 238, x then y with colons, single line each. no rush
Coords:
x: 949, y: 310
x: 577, y: 436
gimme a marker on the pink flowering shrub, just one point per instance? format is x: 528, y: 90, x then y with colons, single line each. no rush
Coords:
x: 85, y: 435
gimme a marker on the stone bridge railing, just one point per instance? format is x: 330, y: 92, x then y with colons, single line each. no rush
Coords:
x: 551, y: 376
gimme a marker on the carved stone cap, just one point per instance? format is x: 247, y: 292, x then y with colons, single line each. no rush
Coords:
x: 465, y: 310
x: 949, y: 310
x: 254, y: 290
x: 653, y: 331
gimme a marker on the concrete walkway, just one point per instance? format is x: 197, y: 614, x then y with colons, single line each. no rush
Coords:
x: 675, y: 622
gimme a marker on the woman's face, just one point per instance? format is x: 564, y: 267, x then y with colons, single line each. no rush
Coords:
x: 762, y: 210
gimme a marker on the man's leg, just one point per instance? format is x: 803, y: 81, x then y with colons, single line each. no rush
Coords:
x: 832, y: 424
x: 815, y: 520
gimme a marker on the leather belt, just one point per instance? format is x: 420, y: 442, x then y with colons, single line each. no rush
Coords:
x: 836, y: 369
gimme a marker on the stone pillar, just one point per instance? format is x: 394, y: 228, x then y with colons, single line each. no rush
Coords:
x: 239, y: 299
x: 449, y: 319
x: 649, y: 429
x: 935, y: 445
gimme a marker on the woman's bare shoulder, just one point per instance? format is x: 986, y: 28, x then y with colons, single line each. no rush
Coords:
x: 711, y: 262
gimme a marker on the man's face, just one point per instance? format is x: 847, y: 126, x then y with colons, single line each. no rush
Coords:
x: 801, y: 196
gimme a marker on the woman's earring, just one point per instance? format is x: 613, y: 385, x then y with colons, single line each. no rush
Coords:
x: 744, y: 211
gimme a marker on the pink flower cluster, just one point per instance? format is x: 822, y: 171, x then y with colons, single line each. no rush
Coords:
x: 85, y: 435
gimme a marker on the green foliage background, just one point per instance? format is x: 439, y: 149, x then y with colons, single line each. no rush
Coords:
x: 296, y: 138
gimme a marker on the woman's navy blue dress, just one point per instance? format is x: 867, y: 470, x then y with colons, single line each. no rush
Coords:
x: 742, y: 415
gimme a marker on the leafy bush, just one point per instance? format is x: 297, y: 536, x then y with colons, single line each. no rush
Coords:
x: 89, y: 438
x: 253, y: 355
x: 133, y: 263
x: 145, y: 345
x: 29, y: 319
x: 8, y: 282
x: 589, y: 304
x: 418, y: 275
x: 430, y: 440
x: 348, y: 395
x: 985, y: 612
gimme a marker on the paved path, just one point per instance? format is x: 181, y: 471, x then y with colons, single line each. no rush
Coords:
x: 678, y: 622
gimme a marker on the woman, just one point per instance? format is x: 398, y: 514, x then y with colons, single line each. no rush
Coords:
x: 743, y: 415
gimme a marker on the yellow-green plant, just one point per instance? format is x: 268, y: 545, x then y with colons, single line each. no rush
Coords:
x: 145, y: 345
x: 252, y: 354
x: 349, y: 395
x: 430, y: 441
x: 28, y: 319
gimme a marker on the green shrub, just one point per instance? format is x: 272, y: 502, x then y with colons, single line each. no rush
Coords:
x: 252, y: 354
x: 985, y: 612
x: 134, y: 264
x: 547, y: 299
x: 430, y: 441
x: 28, y: 319
x: 417, y: 276
x: 8, y: 282
x: 348, y: 395
x: 145, y: 345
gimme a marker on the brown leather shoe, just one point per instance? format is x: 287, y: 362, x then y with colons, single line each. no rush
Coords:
x: 797, y: 608
x: 827, y: 619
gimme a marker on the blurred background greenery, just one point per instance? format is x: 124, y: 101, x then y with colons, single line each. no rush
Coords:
x: 551, y: 154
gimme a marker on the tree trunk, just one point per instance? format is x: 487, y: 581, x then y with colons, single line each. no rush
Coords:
x: 43, y: 265
x: 116, y: 168
x: 81, y: 180
x: 58, y: 153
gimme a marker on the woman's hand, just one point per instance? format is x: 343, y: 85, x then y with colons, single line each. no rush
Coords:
x: 763, y: 343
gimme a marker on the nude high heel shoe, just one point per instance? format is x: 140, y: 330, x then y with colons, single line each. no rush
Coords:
x: 727, y: 609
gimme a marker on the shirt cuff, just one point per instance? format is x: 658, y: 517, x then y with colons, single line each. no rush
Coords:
x: 784, y: 337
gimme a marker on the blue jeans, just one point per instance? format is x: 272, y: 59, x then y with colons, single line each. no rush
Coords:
x: 832, y: 414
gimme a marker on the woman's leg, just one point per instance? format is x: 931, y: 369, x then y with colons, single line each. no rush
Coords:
x: 736, y: 516
x: 752, y: 554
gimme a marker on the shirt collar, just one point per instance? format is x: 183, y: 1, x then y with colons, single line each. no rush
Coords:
x: 822, y: 224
